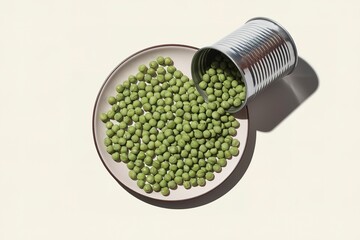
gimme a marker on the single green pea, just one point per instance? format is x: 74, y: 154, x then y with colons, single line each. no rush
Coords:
x: 206, y: 78
x: 137, y: 162
x: 184, y: 79
x: 232, y: 131
x: 187, y: 184
x: 234, y: 151
x: 172, y: 185
x: 178, y: 180
x: 203, y: 85
x: 110, y: 133
x: 165, y: 191
x: 209, y: 90
x: 104, y: 118
x: 193, y: 153
x: 140, y: 183
x: 158, y: 178
x: 148, y: 188
x: 168, y: 61
x: 225, y: 146
x: 203, y: 148
x: 147, y: 107
x: 140, y: 176
x: 165, y: 165
x: 151, y: 72
x: 242, y: 95
x: 188, y: 162
x: 136, y: 169
x: 180, y: 164
x: 173, y: 168
x: 111, y: 100
x: 154, y: 65
x: 209, y: 176
x: 234, y: 83
x: 222, y: 162
x: 237, y: 102
x: 225, y: 104
x: 211, y: 98
x: 200, y: 173
x: 185, y: 176
x: 156, y: 187
x: 139, y: 76
x: 110, y: 114
x: 218, y: 166
x: 150, y: 179
x: 142, y: 68
x: 107, y: 141
x: 168, y: 76
x: 239, y: 89
x: 171, y: 69
x: 235, y: 143
x: 227, y: 154
x: 224, y: 119
x: 187, y: 147
x: 116, y: 156
x: 160, y: 60
x: 211, y: 72
x: 163, y: 183
x: 130, y: 165
x: 201, y: 181
x: 177, y: 74
x: 132, y: 175
x: 198, y: 134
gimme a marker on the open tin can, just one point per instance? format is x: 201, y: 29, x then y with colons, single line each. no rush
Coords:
x: 261, y: 49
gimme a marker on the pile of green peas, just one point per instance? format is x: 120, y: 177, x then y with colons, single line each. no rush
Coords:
x: 223, y: 83
x: 163, y: 130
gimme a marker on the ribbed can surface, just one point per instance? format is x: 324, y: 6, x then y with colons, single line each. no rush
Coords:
x: 261, y: 49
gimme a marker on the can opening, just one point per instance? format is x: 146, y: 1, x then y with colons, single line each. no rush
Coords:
x: 202, y: 61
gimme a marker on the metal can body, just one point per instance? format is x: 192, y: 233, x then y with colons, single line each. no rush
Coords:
x: 262, y: 51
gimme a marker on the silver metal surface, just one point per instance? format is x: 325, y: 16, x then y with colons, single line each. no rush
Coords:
x: 261, y: 49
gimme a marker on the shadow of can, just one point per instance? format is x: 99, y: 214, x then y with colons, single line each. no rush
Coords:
x: 271, y: 106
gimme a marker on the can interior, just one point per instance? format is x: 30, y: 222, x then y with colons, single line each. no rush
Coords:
x: 200, y: 62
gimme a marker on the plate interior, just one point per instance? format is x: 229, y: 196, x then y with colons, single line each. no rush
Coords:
x: 182, y: 56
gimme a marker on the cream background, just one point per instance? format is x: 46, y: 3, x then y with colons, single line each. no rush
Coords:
x: 303, y: 181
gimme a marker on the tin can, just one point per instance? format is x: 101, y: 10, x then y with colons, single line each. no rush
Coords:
x: 261, y: 49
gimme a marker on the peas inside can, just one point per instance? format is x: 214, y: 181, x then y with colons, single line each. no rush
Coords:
x: 222, y: 82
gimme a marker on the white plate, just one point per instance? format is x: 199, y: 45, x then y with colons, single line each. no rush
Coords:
x: 182, y: 56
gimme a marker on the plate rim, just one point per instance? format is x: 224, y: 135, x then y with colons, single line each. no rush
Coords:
x: 128, y: 189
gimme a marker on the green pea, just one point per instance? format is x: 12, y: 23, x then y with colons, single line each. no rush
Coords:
x: 168, y: 61
x: 178, y: 180
x: 234, y: 151
x: 140, y: 183
x: 172, y: 185
x: 165, y: 191
x: 201, y: 181
x: 142, y: 68
x: 209, y: 176
x: 111, y: 100
x: 187, y: 184
x: 116, y: 156
x: 211, y: 72
x: 198, y: 134
x: 132, y: 175
x: 148, y: 188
